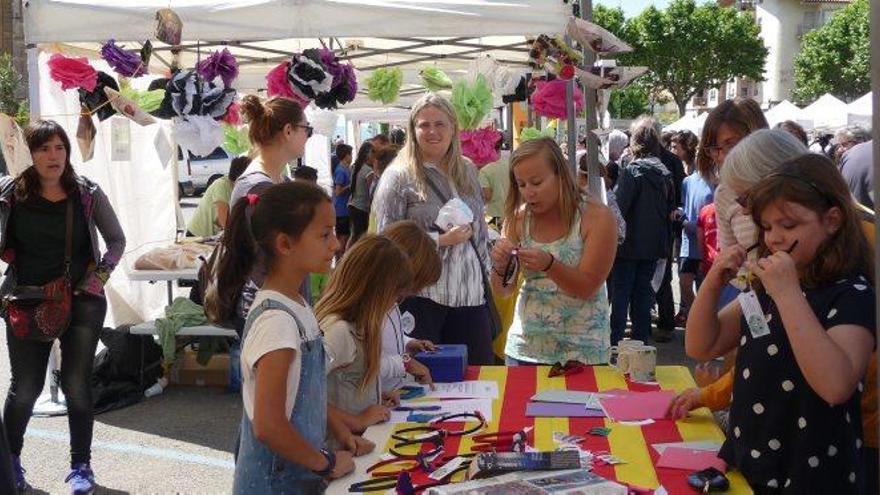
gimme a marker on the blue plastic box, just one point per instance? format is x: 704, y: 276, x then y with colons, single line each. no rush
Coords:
x: 447, y: 364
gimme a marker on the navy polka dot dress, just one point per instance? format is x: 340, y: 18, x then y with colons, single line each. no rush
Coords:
x: 783, y: 437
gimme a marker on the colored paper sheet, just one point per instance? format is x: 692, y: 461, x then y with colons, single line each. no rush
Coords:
x: 636, y: 406
x: 561, y: 410
x: 588, y: 399
x: 690, y: 459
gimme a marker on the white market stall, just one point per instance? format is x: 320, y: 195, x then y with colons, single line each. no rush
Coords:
x: 860, y: 111
x: 786, y: 110
x: 827, y: 112
x: 260, y: 33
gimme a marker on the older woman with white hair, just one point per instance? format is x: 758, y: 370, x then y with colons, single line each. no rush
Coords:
x: 751, y: 160
x: 428, y: 173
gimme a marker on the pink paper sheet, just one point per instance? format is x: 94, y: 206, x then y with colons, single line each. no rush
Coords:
x: 690, y: 459
x: 635, y: 406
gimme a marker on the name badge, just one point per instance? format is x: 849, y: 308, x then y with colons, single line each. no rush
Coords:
x: 753, y: 314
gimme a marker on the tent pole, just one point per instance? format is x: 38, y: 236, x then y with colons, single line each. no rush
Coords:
x: 33, y: 78
x: 597, y: 186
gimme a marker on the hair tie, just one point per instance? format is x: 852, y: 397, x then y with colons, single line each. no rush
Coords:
x: 252, y: 199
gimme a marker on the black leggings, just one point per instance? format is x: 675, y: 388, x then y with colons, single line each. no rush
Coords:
x: 360, y: 222
x: 440, y: 324
x: 28, y: 360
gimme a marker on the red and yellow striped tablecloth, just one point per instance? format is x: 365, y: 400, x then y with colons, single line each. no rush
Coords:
x: 630, y: 443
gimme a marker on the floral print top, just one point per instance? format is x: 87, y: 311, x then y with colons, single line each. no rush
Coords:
x: 550, y: 325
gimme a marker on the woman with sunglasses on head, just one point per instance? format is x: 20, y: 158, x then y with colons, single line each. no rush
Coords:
x: 278, y: 131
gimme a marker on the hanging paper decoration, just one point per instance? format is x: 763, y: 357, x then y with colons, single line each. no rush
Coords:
x: 191, y: 96
x: 169, y: 27
x: 480, y: 145
x: 435, y: 79
x: 384, y: 85
x: 554, y: 55
x: 322, y: 121
x: 595, y: 38
x: 200, y: 134
x: 343, y: 87
x: 96, y: 101
x: 146, y: 53
x: 521, y: 93
x: 277, y: 84
x: 235, y: 139
x: 128, y: 107
x: 220, y: 64
x: 529, y: 133
x: 14, y: 147
x: 609, y: 77
x: 165, y: 110
x: 85, y: 135
x: 308, y: 76
x: 124, y: 62
x: 548, y: 99
x: 72, y: 72
x: 148, y: 101
x: 472, y: 102
x: 233, y: 115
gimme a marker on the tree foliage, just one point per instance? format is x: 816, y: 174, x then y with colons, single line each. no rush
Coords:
x: 690, y: 48
x: 10, y: 80
x: 836, y: 58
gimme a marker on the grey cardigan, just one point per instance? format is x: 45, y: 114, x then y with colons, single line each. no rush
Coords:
x: 100, y: 217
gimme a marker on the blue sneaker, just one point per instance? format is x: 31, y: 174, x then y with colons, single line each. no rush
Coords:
x: 81, y: 479
x: 20, y: 483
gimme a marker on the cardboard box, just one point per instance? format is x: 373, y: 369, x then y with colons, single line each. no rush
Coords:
x: 187, y: 371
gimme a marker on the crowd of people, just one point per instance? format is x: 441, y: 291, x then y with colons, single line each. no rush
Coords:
x: 772, y: 243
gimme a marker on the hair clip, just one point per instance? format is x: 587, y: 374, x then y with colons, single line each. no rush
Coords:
x: 253, y: 199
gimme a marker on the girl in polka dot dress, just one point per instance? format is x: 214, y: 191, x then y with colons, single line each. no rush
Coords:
x: 795, y: 425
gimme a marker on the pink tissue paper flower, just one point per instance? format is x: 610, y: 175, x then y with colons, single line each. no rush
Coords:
x: 548, y: 100
x: 479, y: 145
x: 73, y: 73
x: 277, y: 84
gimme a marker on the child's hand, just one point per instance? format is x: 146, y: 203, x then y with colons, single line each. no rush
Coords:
x: 728, y: 262
x: 416, y: 346
x: 391, y: 399
x: 344, y: 464
x: 778, y: 273
x: 374, y: 414
x: 683, y: 403
x: 501, y: 253
x: 359, y: 445
x: 421, y: 372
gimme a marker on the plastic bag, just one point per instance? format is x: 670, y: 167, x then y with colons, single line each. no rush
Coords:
x: 454, y: 213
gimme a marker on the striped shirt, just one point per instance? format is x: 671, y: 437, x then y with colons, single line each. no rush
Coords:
x: 399, y: 197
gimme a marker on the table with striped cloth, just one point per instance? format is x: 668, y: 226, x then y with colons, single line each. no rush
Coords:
x: 630, y: 443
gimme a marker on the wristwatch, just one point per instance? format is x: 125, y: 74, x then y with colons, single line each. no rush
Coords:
x: 331, y: 463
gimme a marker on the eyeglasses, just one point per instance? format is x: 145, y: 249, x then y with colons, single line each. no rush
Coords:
x: 309, y: 129
x: 715, y: 151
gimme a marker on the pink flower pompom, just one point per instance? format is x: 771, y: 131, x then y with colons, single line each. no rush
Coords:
x: 479, y: 145
x: 548, y: 100
x: 277, y: 84
x: 73, y: 73
x: 233, y: 115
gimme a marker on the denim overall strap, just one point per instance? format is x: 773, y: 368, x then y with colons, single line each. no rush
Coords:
x: 260, y: 470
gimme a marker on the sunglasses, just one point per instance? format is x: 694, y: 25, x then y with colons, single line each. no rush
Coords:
x: 571, y: 367
x: 510, y: 269
x: 309, y: 129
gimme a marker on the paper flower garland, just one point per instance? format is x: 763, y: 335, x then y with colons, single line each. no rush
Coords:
x: 343, y: 87
x: 479, y: 145
x: 314, y: 74
x: 96, y: 101
x: 125, y: 63
x: 277, y: 84
x: 220, y: 64
x: 548, y: 100
x: 435, y: 79
x: 308, y: 76
x: 384, y: 85
x: 529, y: 133
x: 471, y: 102
x: 72, y: 73
x: 191, y: 96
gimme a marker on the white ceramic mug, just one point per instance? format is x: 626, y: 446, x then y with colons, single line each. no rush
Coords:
x: 642, y: 363
x: 619, y: 354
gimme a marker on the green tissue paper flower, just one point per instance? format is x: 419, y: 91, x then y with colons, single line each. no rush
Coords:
x: 529, y: 133
x: 435, y: 79
x: 236, y: 139
x: 384, y: 85
x: 472, y: 102
x: 147, y: 100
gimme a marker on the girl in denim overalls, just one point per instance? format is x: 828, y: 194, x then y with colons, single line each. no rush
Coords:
x: 281, y: 445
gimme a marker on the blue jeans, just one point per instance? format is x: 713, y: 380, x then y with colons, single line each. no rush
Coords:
x: 631, y: 280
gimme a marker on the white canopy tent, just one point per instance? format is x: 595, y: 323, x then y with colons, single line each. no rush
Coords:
x: 827, y: 112
x: 693, y: 123
x: 860, y: 111
x: 786, y: 110
x: 260, y: 33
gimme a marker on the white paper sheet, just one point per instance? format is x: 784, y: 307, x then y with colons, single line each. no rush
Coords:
x: 446, y: 407
x: 588, y: 399
x: 703, y: 445
x: 475, y: 389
